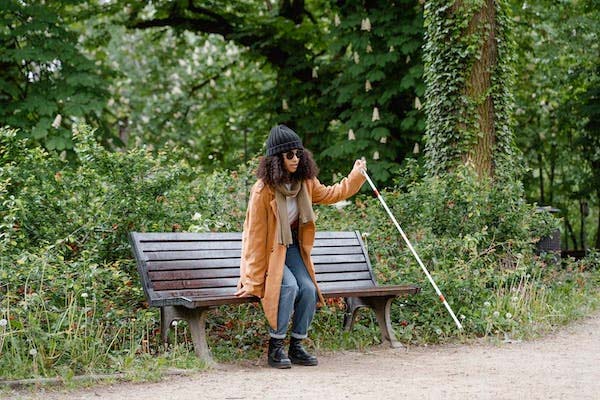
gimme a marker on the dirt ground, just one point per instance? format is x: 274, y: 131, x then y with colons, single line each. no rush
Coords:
x: 562, y: 365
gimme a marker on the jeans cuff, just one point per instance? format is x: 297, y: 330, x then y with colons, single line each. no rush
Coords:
x: 299, y: 336
x: 276, y: 336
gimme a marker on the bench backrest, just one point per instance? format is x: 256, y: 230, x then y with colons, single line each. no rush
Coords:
x: 198, y: 265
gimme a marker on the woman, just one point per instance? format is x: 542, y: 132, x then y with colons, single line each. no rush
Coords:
x: 279, y: 232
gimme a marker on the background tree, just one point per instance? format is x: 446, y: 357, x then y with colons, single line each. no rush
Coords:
x: 316, y: 58
x: 46, y: 82
x: 469, y: 72
x: 557, y: 62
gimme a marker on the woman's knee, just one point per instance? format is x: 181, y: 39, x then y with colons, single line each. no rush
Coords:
x: 308, y: 292
x: 289, y: 289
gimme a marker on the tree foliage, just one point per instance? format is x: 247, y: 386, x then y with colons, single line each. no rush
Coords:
x: 558, y: 55
x: 46, y: 82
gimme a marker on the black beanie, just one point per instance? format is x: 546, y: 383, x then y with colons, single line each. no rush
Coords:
x: 282, y: 139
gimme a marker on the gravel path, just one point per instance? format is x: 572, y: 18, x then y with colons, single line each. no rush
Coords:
x: 562, y: 365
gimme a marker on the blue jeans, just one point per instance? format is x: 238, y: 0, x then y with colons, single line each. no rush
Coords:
x: 298, y: 295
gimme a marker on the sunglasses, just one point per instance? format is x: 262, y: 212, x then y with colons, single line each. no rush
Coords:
x: 298, y: 153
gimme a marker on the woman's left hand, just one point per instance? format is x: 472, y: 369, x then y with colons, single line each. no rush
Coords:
x: 360, y: 165
x: 242, y: 293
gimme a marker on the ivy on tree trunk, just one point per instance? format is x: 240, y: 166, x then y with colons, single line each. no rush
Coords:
x: 469, y: 72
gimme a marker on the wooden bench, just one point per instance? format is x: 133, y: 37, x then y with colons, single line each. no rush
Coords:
x: 187, y: 274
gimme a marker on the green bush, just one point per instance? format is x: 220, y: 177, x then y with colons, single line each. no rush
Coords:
x: 71, y: 301
x: 477, y: 239
x: 69, y: 288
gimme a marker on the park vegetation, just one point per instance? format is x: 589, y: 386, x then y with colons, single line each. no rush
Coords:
x: 121, y: 116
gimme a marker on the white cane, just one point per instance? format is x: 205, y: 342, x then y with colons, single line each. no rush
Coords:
x: 437, y: 290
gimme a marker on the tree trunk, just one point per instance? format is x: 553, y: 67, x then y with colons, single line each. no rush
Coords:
x: 571, y: 233
x: 541, y: 169
x: 598, y: 226
x: 478, y: 86
x: 583, y: 207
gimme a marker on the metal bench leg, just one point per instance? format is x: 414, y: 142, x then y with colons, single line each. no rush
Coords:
x: 353, y: 304
x: 196, y: 319
x: 381, y: 306
x: 168, y: 314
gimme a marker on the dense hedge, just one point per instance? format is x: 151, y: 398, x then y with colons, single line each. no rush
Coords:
x: 71, y: 301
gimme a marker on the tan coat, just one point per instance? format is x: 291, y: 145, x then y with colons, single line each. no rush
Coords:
x: 263, y: 258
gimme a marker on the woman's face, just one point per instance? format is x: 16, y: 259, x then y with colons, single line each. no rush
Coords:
x: 291, y: 159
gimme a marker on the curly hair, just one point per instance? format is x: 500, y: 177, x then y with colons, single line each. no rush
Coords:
x: 271, y: 169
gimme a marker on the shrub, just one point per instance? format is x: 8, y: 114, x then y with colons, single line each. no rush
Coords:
x: 71, y: 301
x: 69, y: 289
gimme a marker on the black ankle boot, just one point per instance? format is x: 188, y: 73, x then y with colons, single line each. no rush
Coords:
x: 298, y: 355
x: 277, y: 356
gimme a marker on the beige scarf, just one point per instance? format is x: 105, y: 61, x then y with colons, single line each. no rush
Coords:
x: 305, y: 211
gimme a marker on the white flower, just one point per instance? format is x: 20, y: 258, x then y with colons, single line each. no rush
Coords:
x: 462, y: 316
x: 365, y: 24
x: 416, y: 148
x: 376, y: 155
x: 392, y: 49
x: 418, y: 105
x: 315, y: 74
x: 407, y: 59
x: 32, y: 352
x: 496, y: 314
x: 174, y: 323
x: 3, y: 322
x: 369, y: 49
x: 438, y: 331
x: 356, y: 58
x: 177, y: 91
x: 284, y: 104
x: 351, y: 135
x: 84, y: 295
x: 514, y: 299
x: 336, y: 20
x: 212, y: 83
x: 368, y: 86
x: 383, y: 140
x: 57, y: 121
x: 508, y: 315
x: 197, y: 216
x: 375, y: 116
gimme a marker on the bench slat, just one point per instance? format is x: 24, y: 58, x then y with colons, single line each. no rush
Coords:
x: 396, y: 290
x: 192, y: 255
x: 343, y: 276
x: 194, y: 274
x: 319, y: 251
x: 229, y: 245
x: 191, y: 246
x: 337, y: 259
x: 235, y: 262
x: 345, y: 285
x: 194, y: 264
x: 346, y: 267
x: 212, y: 236
x: 227, y: 283
x: 349, y: 278
x: 187, y: 236
x: 197, y: 293
x: 336, y: 242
